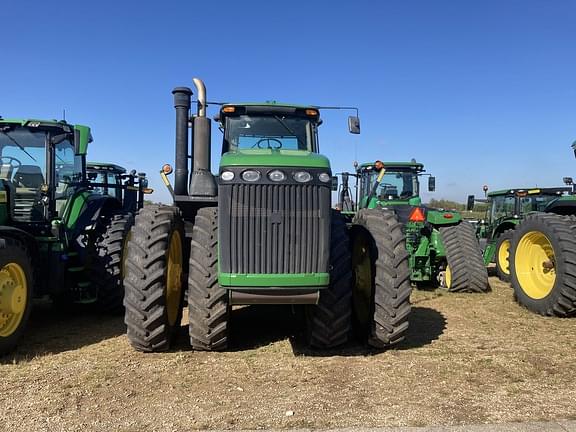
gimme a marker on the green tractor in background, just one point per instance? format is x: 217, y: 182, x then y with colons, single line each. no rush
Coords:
x: 129, y: 188
x: 58, y: 238
x: 260, y: 232
x: 506, y: 209
x: 441, y: 246
x: 543, y: 258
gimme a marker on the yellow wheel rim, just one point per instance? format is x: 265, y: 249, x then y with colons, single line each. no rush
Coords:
x: 503, y: 253
x: 362, y: 294
x: 174, y: 277
x: 535, y: 265
x: 448, y: 277
x: 13, y: 298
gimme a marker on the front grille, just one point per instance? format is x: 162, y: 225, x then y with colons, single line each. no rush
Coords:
x: 274, y: 228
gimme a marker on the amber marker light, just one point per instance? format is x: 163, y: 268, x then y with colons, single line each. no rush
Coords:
x: 167, y: 169
x: 228, y: 109
x: 311, y: 112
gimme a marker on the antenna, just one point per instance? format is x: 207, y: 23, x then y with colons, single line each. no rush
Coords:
x: 64, y: 114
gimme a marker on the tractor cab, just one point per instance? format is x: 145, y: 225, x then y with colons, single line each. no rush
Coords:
x: 41, y: 165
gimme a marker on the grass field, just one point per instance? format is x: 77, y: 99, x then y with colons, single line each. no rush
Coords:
x: 467, y: 359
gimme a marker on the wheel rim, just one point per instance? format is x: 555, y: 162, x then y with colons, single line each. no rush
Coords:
x: 448, y: 277
x: 503, y: 254
x: 362, y: 294
x: 174, y: 277
x: 535, y: 265
x: 13, y: 298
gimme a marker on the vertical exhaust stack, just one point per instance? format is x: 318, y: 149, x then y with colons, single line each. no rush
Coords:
x: 182, y: 105
x: 202, y: 182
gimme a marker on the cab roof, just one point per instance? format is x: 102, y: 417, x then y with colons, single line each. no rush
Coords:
x: 416, y: 166
x: 530, y: 191
x: 105, y: 166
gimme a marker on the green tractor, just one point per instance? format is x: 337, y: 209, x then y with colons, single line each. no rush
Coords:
x: 506, y: 209
x: 441, y: 246
x: 57, y: 237
x: 543, y: 258
x: 113, y: 180
x: 260, y: 232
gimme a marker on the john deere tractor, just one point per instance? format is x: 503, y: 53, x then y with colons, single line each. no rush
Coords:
x: 543, y: 258
x: 506, y: 209
x: 57, y: 237
x: 441, y: 246
x: 259, y: 232
x: 113, y: 180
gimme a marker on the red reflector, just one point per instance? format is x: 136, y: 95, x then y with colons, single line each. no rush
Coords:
x: 448, y: 216
x: 417, y: 215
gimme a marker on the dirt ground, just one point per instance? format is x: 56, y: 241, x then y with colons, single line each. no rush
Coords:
x: 467, y: 359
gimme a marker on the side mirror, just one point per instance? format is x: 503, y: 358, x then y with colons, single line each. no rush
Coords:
x: 334, y: 183
x: 470, y: 203
x: 354, y: 125
x: 568, y: 180
x: 431, y: 184
x: 574, y: 148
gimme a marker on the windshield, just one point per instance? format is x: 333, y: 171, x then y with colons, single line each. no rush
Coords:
x: 23, y: 160
x: 268, y: 132
x: 502, y: 206
x: 398, y: 184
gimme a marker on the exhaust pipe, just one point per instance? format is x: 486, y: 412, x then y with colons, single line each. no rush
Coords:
x: 182, y: 105
x: 202, y: 182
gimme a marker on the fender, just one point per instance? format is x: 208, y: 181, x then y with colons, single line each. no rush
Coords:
x: 84, y: 210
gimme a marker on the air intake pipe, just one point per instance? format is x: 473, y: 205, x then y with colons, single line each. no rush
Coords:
x: 202, y: 182
x: 182, y: 105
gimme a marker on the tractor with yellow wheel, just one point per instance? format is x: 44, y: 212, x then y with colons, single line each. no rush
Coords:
x: 59, y: 238
x: 543, y: 258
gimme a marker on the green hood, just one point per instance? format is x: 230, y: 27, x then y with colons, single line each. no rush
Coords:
x: 273, y: 158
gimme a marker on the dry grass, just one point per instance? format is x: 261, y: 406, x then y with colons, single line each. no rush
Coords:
x: 467, y: 359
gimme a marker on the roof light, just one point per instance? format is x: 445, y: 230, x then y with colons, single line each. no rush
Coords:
x: 311, y: 112
x: 417, y: 215
x: 229, y: 109
x: 167, y: 169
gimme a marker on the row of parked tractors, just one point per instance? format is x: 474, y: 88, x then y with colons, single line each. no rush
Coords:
x: 260, y: 231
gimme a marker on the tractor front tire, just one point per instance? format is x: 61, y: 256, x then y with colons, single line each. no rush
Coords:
x: 329, y: 323
x: 108, y: 265
x: 502, y: 253
x: 208, y: 306
x: 381, y: 298
x: 466, y: 270
x: 153, y: 279
x: 543, y: 264
x: 16, y: 282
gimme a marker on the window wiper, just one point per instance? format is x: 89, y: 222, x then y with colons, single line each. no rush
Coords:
x: 300, y: 142
x: 18, y: 144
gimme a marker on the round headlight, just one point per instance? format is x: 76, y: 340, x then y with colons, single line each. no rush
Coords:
x: 276, y: 175
x: 227, y: 175
x: 324, y: 177
x: 251, y: 176
x: 302, y: 176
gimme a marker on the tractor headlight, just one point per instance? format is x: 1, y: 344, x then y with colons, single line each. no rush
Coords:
x: 302, y: 176
x: 251, y: 176
x: 227, y: 175
x: 324, y: 177
x: 277, y: 176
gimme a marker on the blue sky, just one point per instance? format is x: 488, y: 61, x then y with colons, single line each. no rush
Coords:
x: 481, y: 92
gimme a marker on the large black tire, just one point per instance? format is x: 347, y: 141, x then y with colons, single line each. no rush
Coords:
x: 329, y: 323
x: 382, y: 277
x: 208, y: 305
x: 107, y: 266
x: 543, y: 264
x: 502, y: 255
x: 16, y: 286
x: 467, y: 270
x: 153, y: 279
